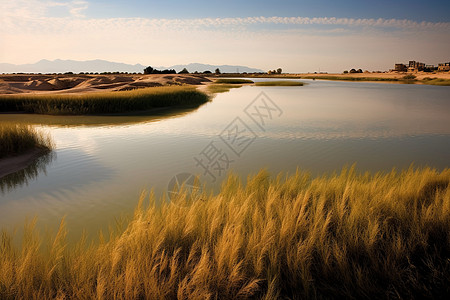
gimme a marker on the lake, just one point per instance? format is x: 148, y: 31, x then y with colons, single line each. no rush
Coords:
x: 101, y: 165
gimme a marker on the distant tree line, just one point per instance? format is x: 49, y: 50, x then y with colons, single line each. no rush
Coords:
x: 353, y: 71
x: 277, y: 71
x: 150, y: 70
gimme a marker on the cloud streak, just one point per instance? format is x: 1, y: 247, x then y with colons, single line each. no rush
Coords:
x: 34, y: 9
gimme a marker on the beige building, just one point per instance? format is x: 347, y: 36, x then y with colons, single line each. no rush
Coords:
x: 415, y: 66
x: 443, y: 67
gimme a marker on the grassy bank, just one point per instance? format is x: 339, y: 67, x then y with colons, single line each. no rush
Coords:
x: 16, y: 139
x: 279, y: 83
x: 233, y: 81
x: 436, y: 81
x: 348, y: 78
x: 104, y: 103
x: 341, y: 236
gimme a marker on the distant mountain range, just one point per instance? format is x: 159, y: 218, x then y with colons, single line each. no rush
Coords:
x: 98, y: 65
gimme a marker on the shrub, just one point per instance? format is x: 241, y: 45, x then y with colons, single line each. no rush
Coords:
x: 409, y: 77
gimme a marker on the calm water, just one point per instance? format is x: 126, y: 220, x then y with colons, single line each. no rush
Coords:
x: 102, y: 164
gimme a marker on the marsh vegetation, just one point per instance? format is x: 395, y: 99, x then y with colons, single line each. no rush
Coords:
x: 233, y: 81
x: 279, y: 83
x: 103, y: 102
x: 18, y: 138
x: 345, y: 235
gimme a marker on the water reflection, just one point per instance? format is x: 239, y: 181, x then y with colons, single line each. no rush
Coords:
x: 105, y: 162
x: 103, y: 120
x: 24, y: 176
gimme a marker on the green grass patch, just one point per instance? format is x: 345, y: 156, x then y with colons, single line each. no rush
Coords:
x: 222, y: 88
x: 16, y: 139
x: 436, y: 81
x: 104, y: 102
x: 233, y: 81
x: 342, y: 236
x: 279, y: 83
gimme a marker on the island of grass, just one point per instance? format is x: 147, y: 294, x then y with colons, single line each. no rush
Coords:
x: 225, y: 84
x: 20, y: 145
x: 344, y: 236
x: 233, y: 81
x: 221, y: 88
x: 144, y: 99
x: 279, y: 83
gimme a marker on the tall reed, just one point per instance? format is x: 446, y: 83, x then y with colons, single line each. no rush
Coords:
x: 346, y: 235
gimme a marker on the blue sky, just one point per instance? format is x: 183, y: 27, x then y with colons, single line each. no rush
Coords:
x: 437, y: 11
x: 298, y: 36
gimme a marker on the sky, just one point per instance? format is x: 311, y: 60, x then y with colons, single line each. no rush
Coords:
x: 298, y: 36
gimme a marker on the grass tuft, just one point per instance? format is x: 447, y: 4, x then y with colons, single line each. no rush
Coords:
x: 16, y: 139
x: 346, y: 235
x: 105, y: 102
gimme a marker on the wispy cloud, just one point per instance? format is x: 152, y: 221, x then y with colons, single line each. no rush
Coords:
x: 33, y: 9
x: 393, y: 23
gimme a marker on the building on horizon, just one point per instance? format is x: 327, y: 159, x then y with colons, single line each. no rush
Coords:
x: 400, y: 68
x: 444, y: 67
x: 415, y: 66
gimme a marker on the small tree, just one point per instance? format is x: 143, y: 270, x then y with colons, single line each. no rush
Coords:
x: 345, y: 72
x: 279, y: 70
x: 409, y: 77
x: 217, y: 71
x: 184, y: 71
x: 148, y: 70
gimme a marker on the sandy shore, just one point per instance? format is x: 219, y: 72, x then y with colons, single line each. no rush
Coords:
x: 79, y: 84
x: 12, y: 164
x: 389, y: 75
x: 386, y: 76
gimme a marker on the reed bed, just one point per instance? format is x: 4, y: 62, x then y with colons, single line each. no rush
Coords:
x: 233, y: 81
x: 104, y: 102
x: 18, y: 138
x: 279, y: 83
x: 346, y: 235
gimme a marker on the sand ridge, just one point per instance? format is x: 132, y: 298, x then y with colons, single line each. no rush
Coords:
x: 58, y: 84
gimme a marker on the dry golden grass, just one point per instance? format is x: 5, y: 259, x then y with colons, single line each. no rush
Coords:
x: 103, y: 102
x: 17, y: 138
x: 345, y: 235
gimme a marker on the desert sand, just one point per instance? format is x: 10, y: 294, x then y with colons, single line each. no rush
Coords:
x: 59, y: 84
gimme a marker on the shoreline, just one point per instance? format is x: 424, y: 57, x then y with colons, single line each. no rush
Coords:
x: 13, y: 164
x: 391, y: 77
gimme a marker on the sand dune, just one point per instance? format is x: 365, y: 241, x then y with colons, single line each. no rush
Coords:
x: 58, y: 84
